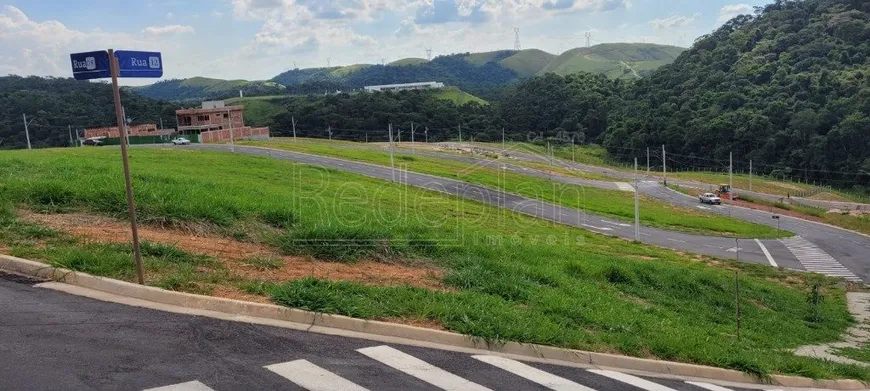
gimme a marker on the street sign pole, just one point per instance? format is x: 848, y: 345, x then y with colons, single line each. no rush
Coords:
x: 122, y: 128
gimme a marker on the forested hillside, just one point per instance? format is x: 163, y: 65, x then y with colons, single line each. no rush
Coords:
x: 483, y: 74
x: 577, y: 106
x: 52, y: 104
x: 484, y: 80
x: 343, y: 115
x: 788, y: 87
x: 202, y: 88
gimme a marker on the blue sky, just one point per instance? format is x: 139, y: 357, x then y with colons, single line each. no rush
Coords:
x: 257, y: 39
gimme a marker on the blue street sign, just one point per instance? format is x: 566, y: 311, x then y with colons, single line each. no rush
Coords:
x: 90, y: 65
x: 139, y: 64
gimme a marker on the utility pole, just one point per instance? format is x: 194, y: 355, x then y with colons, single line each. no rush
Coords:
x: 636, y: 206
x: 412, y: 132
x: 460, y: 133
x: 647, y: 160
x: 122, y: 130
x: 26, y: 130
x: 731, y: 176
x: 502, y: 139
x: 427, y: 134
x: 69, y: 129
x: 161, y: 123
x: 329, y: 130
x: 750, y: 175
x: 550, y: 156
x: 392, y: 161
x: 573, y: 159
x: 664, y: 165
x: 232, y: 134
x: 293, y: 121
x: 399, y: 134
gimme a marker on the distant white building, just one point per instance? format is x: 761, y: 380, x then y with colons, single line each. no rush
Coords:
x: 405, y: 87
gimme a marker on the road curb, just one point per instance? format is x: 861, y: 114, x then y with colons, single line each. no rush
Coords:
x: 384, y: 329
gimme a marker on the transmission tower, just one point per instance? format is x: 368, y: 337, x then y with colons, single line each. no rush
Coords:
x: 517, y: 45
x: 328, y: 62
x: 588, y: 39
x: 429, y: 54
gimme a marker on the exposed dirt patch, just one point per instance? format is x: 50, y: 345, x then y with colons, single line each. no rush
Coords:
x: 229, y: 292
x: 236, y: 255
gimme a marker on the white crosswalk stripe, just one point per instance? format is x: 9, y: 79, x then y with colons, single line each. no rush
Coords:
x: 708, y: 386
x: 632, y: 380
x: 189, y: 386
x: 816, y: 260
x: 624, y: 186
x: 533, y: 374
x: 311, y: 377
x: 420, y: 369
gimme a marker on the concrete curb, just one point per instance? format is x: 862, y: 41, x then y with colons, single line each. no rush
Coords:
x: 275, y: 312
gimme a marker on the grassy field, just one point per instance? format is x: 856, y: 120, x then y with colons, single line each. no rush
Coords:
x: 612, y: 203
x: 408, y: 61
x: 458, y: 96
x: 508, y: 276
x: 527, y: 63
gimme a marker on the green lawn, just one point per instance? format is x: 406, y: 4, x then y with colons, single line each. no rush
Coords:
x: 611, y: 203
x: 511, y: 277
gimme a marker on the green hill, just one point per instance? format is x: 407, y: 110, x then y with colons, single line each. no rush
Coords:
x: 409, y: 61
x: 616, y: 60
x: 483, y: 74
x: 529, y: 62
x: 203, y: 88
x: 344, y: 71
x: 788, y: 87
x: 458, y: 96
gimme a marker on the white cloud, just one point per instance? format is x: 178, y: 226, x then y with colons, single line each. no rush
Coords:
x: 172, y: 29
x: 170, y: 15
x: 29, y: 47
x: 673, y: 22
x: 730, y: 11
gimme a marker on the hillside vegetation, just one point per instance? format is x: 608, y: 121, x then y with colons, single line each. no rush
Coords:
x: 788, y: 88
x: 58, y: 107
x: 481, y: 74
x: 202, y: 88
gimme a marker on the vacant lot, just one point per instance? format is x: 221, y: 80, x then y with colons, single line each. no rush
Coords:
x: 613, y: 203
x: 492, y: 274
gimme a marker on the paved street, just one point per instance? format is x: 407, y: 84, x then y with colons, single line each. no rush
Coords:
x: 56, y: 341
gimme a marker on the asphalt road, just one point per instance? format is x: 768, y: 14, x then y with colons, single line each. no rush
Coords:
x: 750, y: 250
x: 51, y: 340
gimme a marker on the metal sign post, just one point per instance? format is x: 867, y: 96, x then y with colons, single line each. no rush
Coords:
x: 123, y: 63
x: 122, y: 128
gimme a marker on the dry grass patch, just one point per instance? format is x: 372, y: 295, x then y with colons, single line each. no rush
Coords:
x: 240, y: 258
